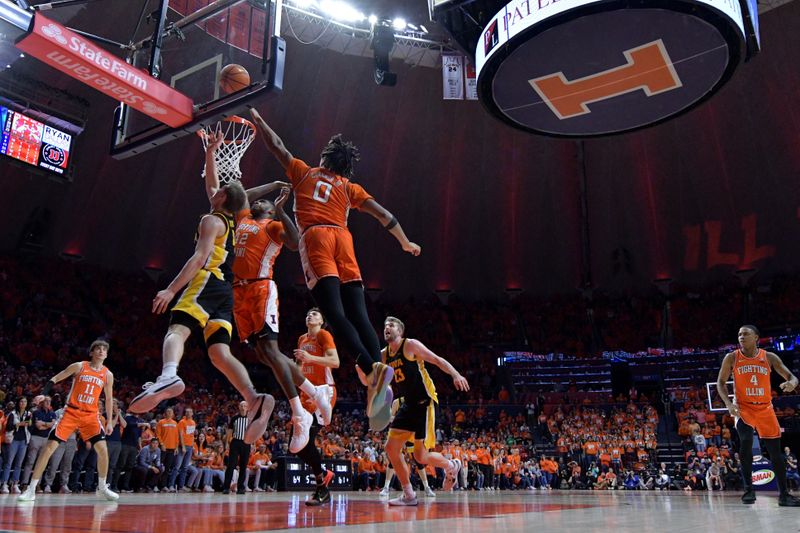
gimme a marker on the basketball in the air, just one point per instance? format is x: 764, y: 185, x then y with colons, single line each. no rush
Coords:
x: 233, y: 78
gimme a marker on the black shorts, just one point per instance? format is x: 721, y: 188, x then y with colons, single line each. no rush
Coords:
x: 207, y: 303
x: 418, y: 417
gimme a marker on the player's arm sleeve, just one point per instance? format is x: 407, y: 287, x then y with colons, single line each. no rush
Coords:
x: 296, y: 170
x: 357, y: 195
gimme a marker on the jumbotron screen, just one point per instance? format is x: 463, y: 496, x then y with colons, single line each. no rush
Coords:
x: 34, y: 142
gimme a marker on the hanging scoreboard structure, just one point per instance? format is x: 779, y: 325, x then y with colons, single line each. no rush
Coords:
x: 586, y: 68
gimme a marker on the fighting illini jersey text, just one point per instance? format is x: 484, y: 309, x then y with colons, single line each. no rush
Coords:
x: 87, y: 384
x: 257, y: 245
x: 321, y: 197
x: 220, y: 260
x: 751, y: 378
x: 317, y: 374
x: 411, y: 380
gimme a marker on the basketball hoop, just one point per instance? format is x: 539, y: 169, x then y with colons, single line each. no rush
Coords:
x: 238, y: 133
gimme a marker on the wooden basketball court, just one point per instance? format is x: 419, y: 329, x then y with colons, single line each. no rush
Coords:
x: 356, y: 512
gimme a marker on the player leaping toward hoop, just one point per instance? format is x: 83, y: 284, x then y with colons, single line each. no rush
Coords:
x: 753, y: 411
x: 207, y: 303
x: 323, y: 198
x: 261, y: 232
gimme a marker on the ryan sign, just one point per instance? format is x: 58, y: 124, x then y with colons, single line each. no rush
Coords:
x: 77, y: 57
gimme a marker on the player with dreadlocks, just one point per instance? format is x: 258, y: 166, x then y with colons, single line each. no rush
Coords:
x: 323, y: 198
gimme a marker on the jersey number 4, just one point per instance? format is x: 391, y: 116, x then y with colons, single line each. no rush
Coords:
x: 322, y: 192
x: 754, y: 380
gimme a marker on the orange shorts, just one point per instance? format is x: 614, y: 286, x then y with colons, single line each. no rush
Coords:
x: 86, y: 422
x: 328, y: 251
x: 309, y: 404
x: 255, y: 305
x: 762, y: 418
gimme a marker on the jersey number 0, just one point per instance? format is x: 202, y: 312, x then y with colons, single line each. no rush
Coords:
x: 322, y: 192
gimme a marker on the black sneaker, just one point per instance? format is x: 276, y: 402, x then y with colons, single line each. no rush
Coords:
x: 226, y: 491
x: 749, y: 496
x: 787, y: 500
x: 240, y: 491
x: 321, y: 495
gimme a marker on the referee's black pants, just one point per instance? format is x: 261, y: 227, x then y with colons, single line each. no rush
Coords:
x: 239, y: 455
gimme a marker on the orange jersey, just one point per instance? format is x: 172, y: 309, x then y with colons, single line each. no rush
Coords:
x: 187, y: 429
x: 317, y: 346
x: 751, y: 378
x: 322, y: 198
x: 257, y: 245
x: 167, y: 433
x: 87, y: 384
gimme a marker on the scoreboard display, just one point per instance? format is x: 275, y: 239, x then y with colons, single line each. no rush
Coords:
x: 33, y: 142
x: 294, y: 474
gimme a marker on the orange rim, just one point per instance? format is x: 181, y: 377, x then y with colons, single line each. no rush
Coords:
x: 238, y: 120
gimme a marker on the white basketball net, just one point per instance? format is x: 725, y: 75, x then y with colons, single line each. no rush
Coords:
x: 238, y: 134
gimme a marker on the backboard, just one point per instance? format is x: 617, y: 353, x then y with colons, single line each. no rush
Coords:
x: 200, y: 38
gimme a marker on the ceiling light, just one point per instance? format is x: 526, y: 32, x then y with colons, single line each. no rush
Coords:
x: 341, y: 11
x: 399, y: 24
x: 423, y: 28
x: 413, y: 27
x: 373, y: 19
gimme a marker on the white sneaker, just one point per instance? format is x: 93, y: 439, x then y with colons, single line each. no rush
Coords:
x: 156, y: 489
x: 258, y: 417
x: 65, y: 490
x: 164, y: 388
x: 4, y: 489
x: 451, y: 475
x: 208, y: 488
x: 28, y: 496
x: 104, y: 492
x: 47, y: 490
x: 429, y: 493
x: 15, y: 489
x: 300, y: 427
x: 322, y: 398
x: 259, y: 489
x: 404, y: 500
x: 384, y: 493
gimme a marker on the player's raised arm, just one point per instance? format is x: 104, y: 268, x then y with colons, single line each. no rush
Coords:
x: 210, y: 228
x: 791, y: 380
x: 254, y: 193
x: 212, y: 178
x: 290, y: 235
x: 388, y: 220
x: 422, y: 352
x: 271, y: 140
x: 722, y: 388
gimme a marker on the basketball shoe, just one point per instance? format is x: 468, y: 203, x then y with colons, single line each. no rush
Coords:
x: 154, y: 393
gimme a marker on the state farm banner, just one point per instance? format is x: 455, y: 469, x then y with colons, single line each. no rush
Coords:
x: 472, y: 82
x: 453, y: 77
x: 74, y: 55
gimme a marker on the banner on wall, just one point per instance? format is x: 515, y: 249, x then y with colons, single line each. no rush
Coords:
x: 453, y: 77
x: 472, y: 81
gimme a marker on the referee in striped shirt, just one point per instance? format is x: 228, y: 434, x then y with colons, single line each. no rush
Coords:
x: 239, y: 452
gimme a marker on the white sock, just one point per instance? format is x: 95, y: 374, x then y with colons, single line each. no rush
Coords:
x: 101, y: 481
x: 249, y: 394
x: 423, y: 476
x: 169, y: 370
x: 309, y: 388
x: 33, y: 484
x: 389, y: 475
x: 408, y: 490
x: 297, y: 407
